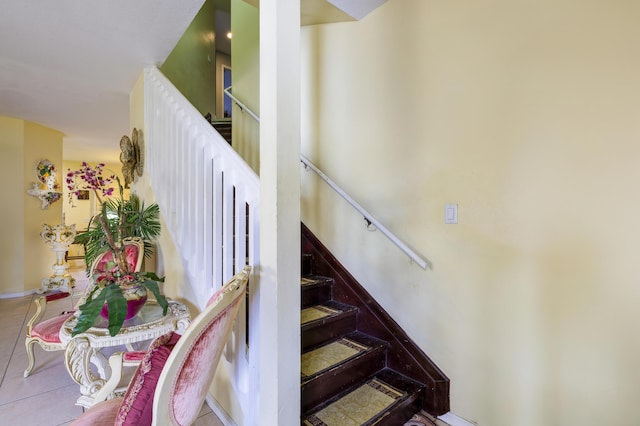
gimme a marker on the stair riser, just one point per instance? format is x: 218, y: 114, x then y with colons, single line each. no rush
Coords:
x: 305, y: 265
x: 399, y: 414
x: 317, y: 334
x: 315, y: 295
x: 333, y: 382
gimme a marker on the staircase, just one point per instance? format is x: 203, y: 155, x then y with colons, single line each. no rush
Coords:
x: 352, y: 369
x: 343, y: 368
x: 224, y: 128
x: 210, y: 200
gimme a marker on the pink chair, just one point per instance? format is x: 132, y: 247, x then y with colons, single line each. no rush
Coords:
x: 46, y: 333
x: 174, y: 375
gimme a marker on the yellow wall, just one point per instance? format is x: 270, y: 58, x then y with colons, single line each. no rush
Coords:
x: 39, y: 143
x: 245, y: 62
x: 12, y: 219
x: 24, y: 257
x: 191, y: 64
x: 525, y: 114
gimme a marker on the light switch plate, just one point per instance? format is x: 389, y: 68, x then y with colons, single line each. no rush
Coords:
x: 451, y: 214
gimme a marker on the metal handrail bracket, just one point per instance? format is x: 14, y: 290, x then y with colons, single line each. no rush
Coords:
x: 419, y: 260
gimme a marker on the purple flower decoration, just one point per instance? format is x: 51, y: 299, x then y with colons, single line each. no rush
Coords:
x: 92, y: 179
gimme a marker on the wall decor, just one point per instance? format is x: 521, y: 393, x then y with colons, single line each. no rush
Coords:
x: 132, y: 156
x: 47, y: 189
x: 83, y: 194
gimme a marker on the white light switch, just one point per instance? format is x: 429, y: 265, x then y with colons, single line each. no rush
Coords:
x: 451, y: 213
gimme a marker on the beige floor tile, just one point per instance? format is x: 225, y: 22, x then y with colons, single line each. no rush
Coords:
x: 205, y: 409
x: 14, y: 305
x: 209, y: 419
x: 44, y: 361
x: 49, y: 408
x: 43, y: 379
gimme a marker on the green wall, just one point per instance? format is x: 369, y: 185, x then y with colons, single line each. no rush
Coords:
x: 245, y: 63
x: 191, y: 64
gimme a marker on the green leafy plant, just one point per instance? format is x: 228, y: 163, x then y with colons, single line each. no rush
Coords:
x: 119, y: 219
x: 108, y: 289
x: 125, y: 218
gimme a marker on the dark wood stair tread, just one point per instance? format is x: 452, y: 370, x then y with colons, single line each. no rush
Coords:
x: 327, y: 312
x: 309, y: 281
x: 325, y: 322
x: 387, y: 398
x: 335, y: 366
x: 339, y: 351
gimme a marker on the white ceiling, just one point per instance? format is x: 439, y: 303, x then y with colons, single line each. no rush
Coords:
x: 70, y: 65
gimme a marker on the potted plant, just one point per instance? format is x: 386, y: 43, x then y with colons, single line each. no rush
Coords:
x: 118, y: 220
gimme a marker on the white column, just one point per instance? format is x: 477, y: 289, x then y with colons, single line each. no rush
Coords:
x: 279, y: 289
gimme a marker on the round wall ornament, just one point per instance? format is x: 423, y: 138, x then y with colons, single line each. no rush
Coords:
x: 138, y: 142
x: 132, y: 156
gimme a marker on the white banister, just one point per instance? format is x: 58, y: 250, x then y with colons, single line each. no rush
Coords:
x: 210, y: 200
x: 413, y: 255
x: 201, y: 184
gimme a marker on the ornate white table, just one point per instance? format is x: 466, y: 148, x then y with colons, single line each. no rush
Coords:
x: 84, y: 359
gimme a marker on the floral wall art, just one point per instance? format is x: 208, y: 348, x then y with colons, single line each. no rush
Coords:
x: 47, y: 189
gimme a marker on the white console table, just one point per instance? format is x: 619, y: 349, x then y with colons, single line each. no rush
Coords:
x: 84, y: 357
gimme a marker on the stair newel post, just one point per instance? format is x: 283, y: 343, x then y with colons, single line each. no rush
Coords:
x: 279, y: 290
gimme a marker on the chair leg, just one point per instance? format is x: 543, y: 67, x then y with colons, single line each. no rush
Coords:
x: 32, y: 360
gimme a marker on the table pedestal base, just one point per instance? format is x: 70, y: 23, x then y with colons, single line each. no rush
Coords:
x: 56, y: 282
x: 84, y: 358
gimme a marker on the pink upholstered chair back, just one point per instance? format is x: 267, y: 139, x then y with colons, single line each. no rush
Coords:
x: 134, y: 251
x: 188, y: 373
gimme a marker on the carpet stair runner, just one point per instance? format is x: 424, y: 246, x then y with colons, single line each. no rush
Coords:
x: 344, y: 375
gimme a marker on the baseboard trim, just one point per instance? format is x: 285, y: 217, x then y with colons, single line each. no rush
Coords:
x: 14, y: 295
x: 217, y: 409
x: 453, y: 420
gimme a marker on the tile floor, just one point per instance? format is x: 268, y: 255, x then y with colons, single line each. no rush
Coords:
x: 47, y: 397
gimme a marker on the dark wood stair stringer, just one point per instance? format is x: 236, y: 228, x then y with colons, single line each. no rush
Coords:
x: 403, y: 360
x: 341, y: 365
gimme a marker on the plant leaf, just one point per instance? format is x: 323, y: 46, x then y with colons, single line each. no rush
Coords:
x: 88, y: 313
x: 117, y: 306
x: 148, y: 275
x: 162, y: 301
